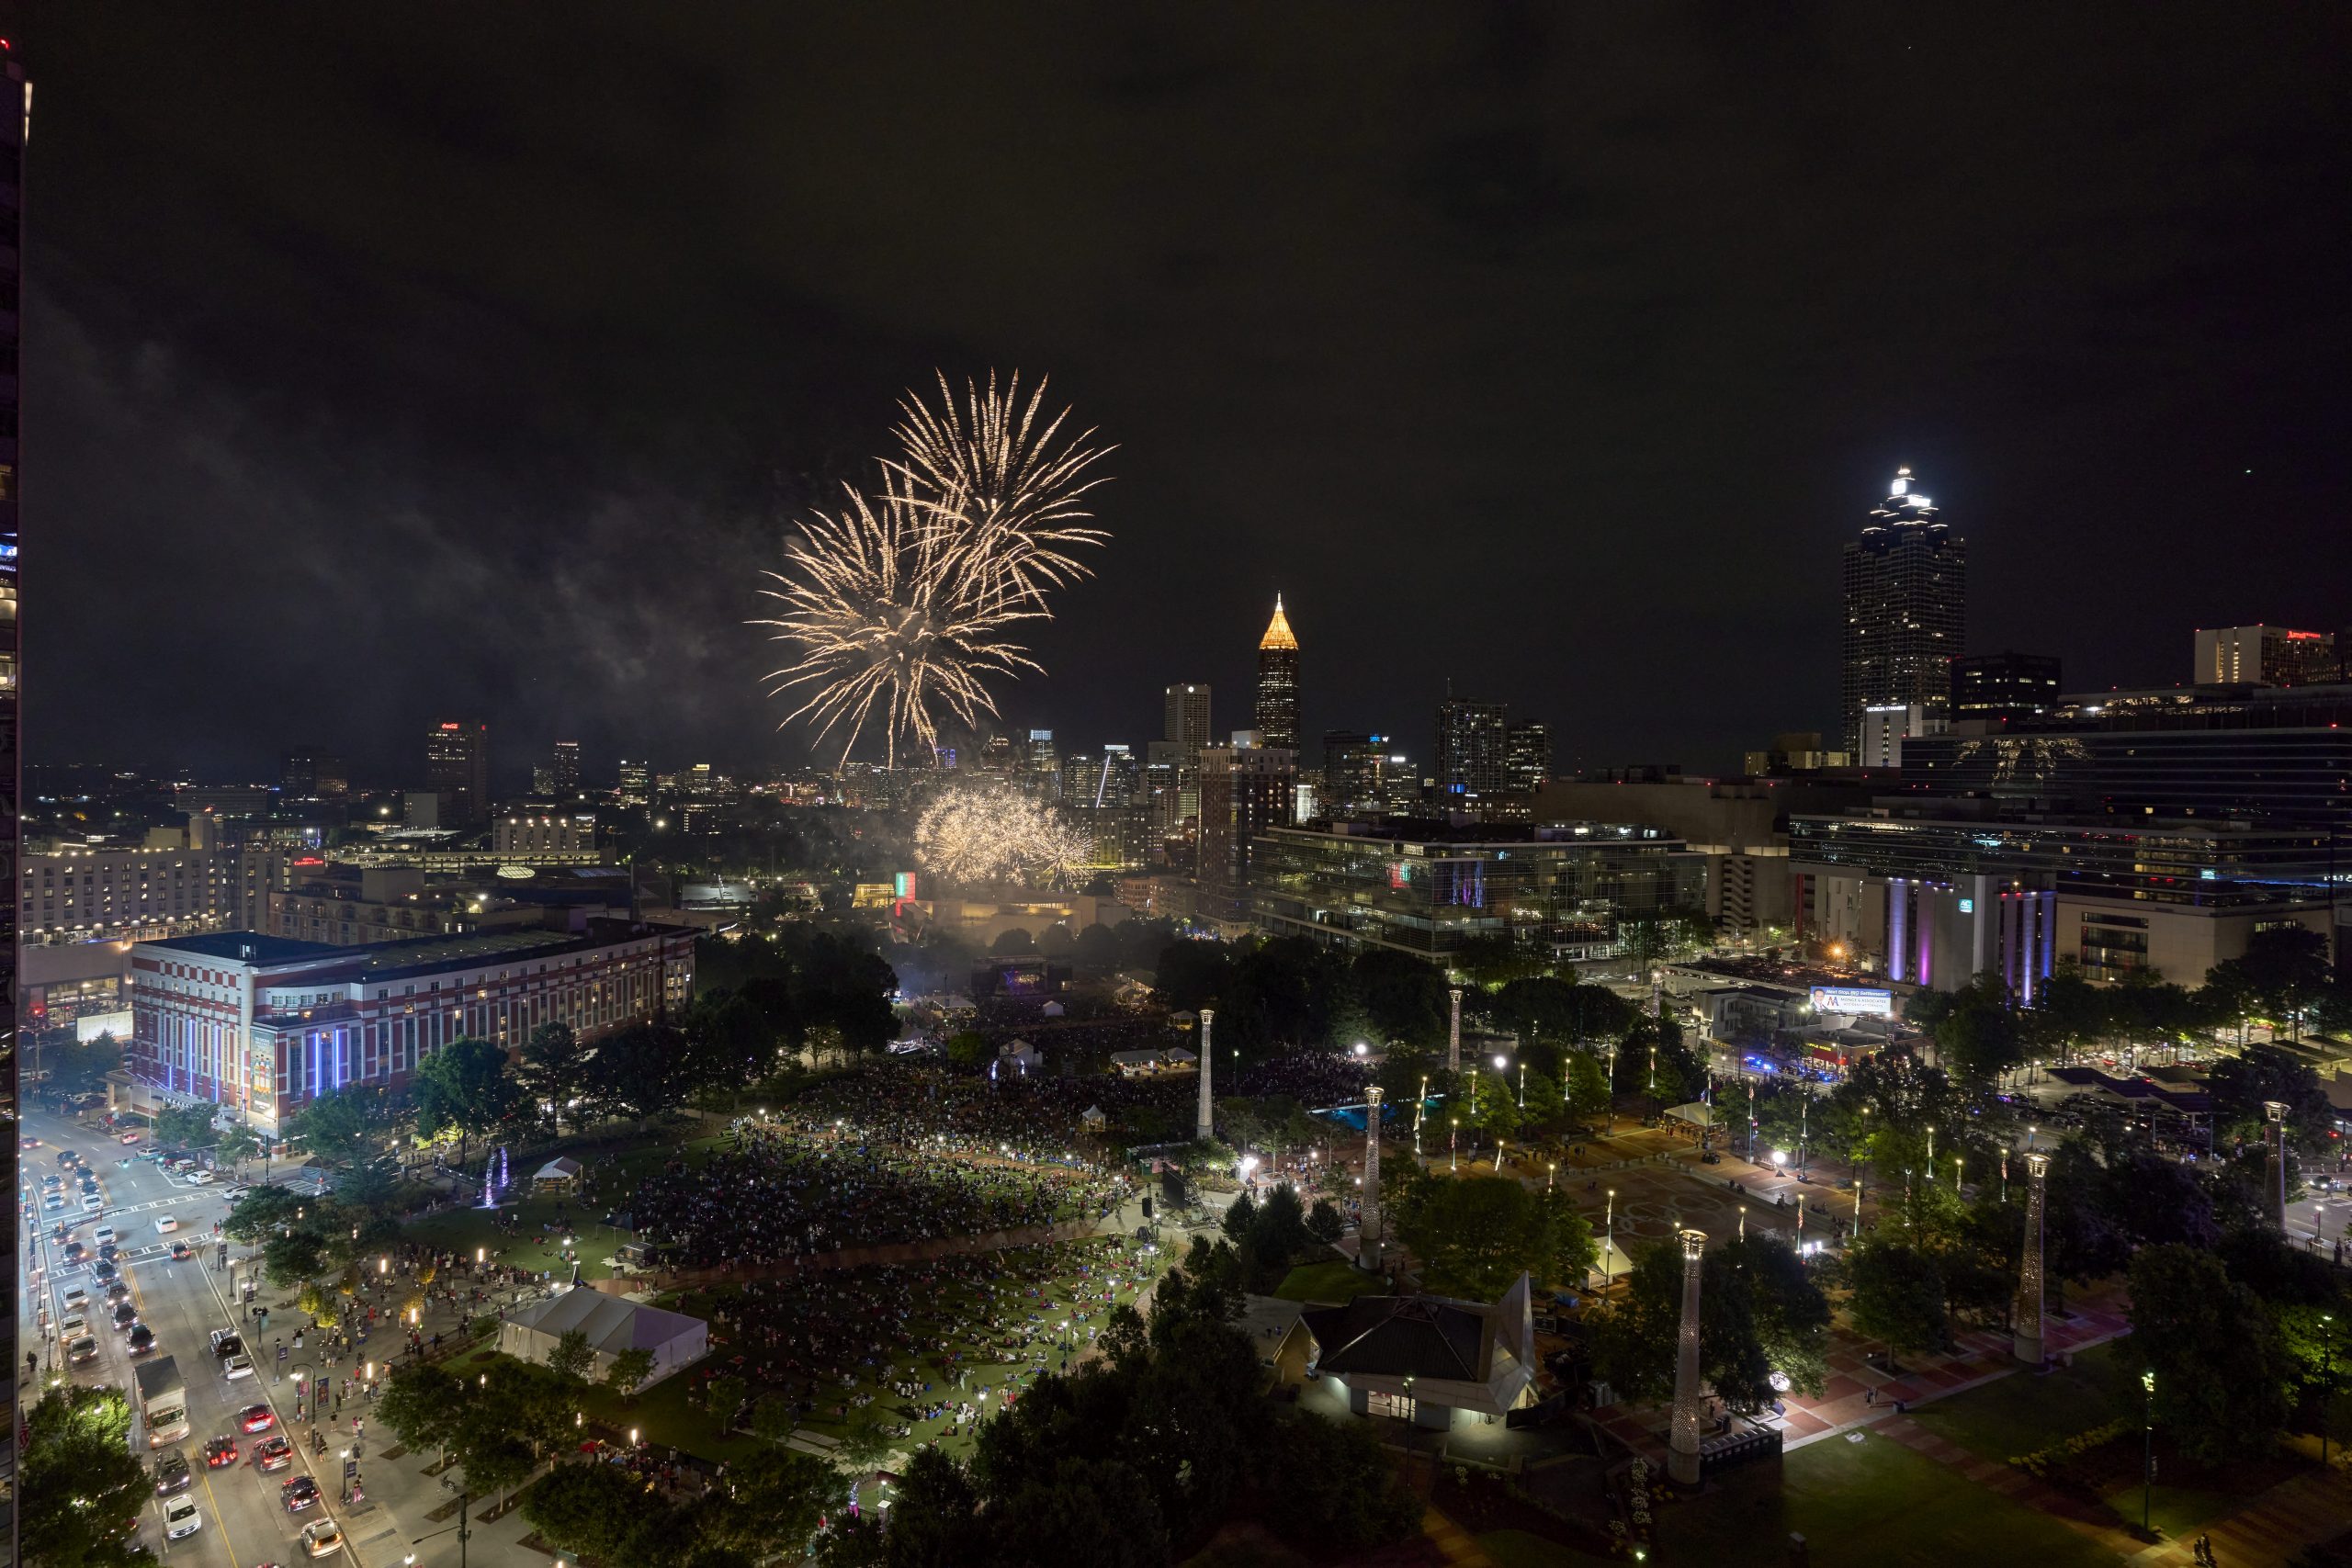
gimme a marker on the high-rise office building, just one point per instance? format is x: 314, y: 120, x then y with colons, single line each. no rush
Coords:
x: 1351, y: 763
x: 563, y: 768
x: 16, y: 111
x: 1527, y: 757
x: 1278, y: 683
x: 2264, y: 655
x: 1244, y: 793
x: 1906, y: 609
x: 1472, y: 749
x: 307, y: 774
x: 1187, y: 717
x: 636, y: 783
x: 457, y: 768
x: 1041, y: 766
x: 2001, y: 688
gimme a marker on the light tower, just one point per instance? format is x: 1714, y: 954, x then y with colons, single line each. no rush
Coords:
x: 1453, y: 1037
x: 1682, y: 1445
x: 2027, y: 1343
x: 1369, y: 1229
x: 1205, y: 1126
x: 2276, y: 1110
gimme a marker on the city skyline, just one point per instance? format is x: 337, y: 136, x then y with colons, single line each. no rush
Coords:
x: 439, y: 479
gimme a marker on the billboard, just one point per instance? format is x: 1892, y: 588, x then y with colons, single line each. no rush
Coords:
x: 1853, y: 999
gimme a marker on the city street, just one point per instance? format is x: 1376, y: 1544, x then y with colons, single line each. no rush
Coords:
x: 183, y: 1302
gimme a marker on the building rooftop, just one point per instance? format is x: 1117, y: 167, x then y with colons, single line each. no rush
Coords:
x: 1421, y: 1336
x: 244, y: 947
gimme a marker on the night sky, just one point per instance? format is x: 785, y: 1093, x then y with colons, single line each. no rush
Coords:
x: 469, y: 361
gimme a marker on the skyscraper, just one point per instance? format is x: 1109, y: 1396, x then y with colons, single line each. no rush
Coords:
x: 1187, y: 725
x: 1906, y: 608
x: 1244, y: 792
x: 16, y: 111
x: 1527, y: 757
x: 563, y: 768
x: 457, y: 767
x: 1473, y: 749
x: 1278, y: 683
x: 307, y: 774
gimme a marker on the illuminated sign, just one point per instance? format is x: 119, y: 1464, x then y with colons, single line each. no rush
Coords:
x: 905, y: 882
x: 1968, y: 905
x: 1853, y: 999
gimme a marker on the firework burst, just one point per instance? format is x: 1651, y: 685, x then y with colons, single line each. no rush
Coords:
x: 986, y: 835
x: 900, y: 606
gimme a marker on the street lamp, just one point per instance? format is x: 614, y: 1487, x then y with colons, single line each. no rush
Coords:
x: 2148, y: 1450
x: 1551, y: 1176
x: 2326, y: 1379
x: 1454, y: 1146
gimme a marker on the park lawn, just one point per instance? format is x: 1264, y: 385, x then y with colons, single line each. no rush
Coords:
x: 665, y: 1417
x: 1873, y: 1502
x: 1337, y: 1282
x: 2016, y: 1414
x: 1523, y: 1548
x: 2178, y: 1512
x: 463, y: 1230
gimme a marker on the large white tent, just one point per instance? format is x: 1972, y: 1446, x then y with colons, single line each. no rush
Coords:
x: 612, y: 1324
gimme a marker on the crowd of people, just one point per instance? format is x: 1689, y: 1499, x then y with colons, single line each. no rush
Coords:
x: 937, y: 1345
x: 1317, y: 1079
x: 1037, y: 1116
x: 778, y: 1189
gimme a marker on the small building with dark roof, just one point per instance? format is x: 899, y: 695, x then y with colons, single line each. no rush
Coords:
x: 1423, y: 1358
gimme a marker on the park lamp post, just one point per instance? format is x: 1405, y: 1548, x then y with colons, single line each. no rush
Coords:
x: 2147, y: 1449
x: 2326, y: 1378
x: 1454, y: 1146
x: 1608, y: 1242
x: 2005, y: 1173
x: 1551, y: 1174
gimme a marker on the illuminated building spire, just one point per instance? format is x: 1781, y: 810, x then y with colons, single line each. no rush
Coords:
x: 1278, y: 633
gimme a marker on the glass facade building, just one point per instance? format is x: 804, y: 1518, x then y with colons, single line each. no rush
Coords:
x: 1906, y: 609
x: 1423, y: 888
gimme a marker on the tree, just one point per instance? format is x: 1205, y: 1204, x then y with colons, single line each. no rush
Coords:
x: 2222, y: 1369
x: 1978, y: 1038
x: 1238, y: 1219
x: 572, y: 1358
x: 1760, y: 1314
x: 1323, y: 1222
x: 628, y: 1371
x: 1898, y: 1295
x: 2239, y: 1085
x: 294, y: 1257
x: 865, y: 1443
x: 588, y: 1509
x: 773, y: 1419
x: 238, y: 1144
x: 80, y: 1066
x: 724, y: 1395
x: 1497, y: 960
x: 186, y: 1126
x: 1402, y: 998
x: 550, y: 1074
x: 80, y: 1494
x: 2287, y: 969
x: 1476, y: 1236
x: 967, y: 1049
x: 342, y: 1127
x: 1339, y: 1492
x: 1587, y: 1085
x: 261, y: 1212
x: 1013, y: 942
x: 777, y: 1498
x: 636, y: 1071
x: 464, y: 1089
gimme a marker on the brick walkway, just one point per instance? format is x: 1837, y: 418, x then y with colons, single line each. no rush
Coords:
x: 1460, y: 1549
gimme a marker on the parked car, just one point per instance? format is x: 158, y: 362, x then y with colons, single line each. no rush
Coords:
x: 237, y: 1366
x: 298, y: 1493
x: 129, y: 1138
x: 257, y: 1418
x: 201, y: 1179
x: 321, y: 1537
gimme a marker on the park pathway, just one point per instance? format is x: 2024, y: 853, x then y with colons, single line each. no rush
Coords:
x: 1461, y: 1549
x: 2078, y: 1514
